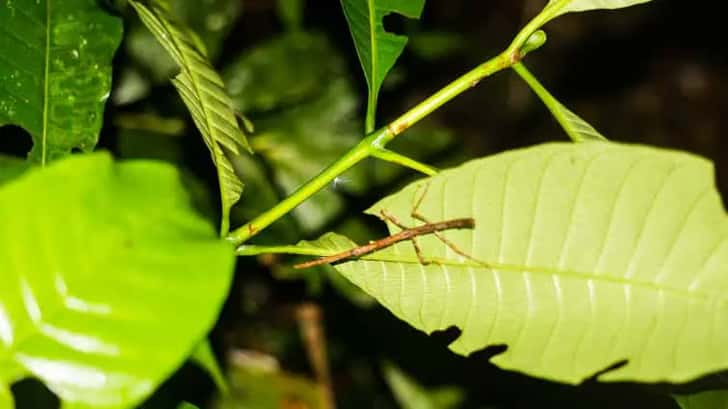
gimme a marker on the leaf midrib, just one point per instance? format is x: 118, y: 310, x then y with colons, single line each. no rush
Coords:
x: 373, y: 43
x: 712, y: 297
x: 44, y: 132
x: 213, y: 141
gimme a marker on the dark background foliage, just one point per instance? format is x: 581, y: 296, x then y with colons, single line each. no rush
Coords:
x: 651, y: 74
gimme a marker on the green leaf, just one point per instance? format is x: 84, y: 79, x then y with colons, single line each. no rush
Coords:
x: 6, y: 398
x: 704, y: 400
x: 211, y: 20
x: 285, y: 71
x: 300, y: 142
x: 55, y: 72
x: 203, y: 92
x: 257, y: 382
x: 377, y: 49
x: 291, y: 13
x: 578, y: 129
x: 106, y: 305
x: 589, y: 254
x: 205, y: 358
x: 560, y: 7
x: 11, y: 167
x: 185, y: 405
x: 410, y: 395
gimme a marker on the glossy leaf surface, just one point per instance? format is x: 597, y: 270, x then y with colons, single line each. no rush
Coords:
x: 377, y: 49
x: 55, y: 72
x: 105, y: 305
x: 203, y: 92
x: 587, y: 255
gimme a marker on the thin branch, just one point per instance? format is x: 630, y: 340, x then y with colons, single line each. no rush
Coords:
x: 310, y: 323
x: 394, y: 157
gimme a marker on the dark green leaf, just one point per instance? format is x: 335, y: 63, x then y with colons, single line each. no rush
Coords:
x: 258, y: 383
x: 433, y: 45
x: 704, y: 400
x: 55, y: 72
x: 378, y: 50
x: 301, y: 141
x: 291, y: 12
x: 104, y: 306
x: 282, y: 72
x: 202, y: 90
x: 411, y: 395
x: 211, y: 20
x: 11, y: 167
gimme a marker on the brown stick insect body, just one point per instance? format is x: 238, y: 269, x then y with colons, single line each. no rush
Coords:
x: 405, y: 234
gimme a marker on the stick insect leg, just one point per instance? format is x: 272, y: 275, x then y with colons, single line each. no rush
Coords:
x: 397, y: 223
x: 418, y: 216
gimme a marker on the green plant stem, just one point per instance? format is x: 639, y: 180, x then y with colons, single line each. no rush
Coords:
x: 253, y: 250
x: 551, y: 103
x: 394, y: 157
x: 371, y: 119
x: 351, y: 158
x: 375, y: 141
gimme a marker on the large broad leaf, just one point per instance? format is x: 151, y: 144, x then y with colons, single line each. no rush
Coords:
x: 203, y: 92
x: 587, y: 255
x: 55, y: 72
x: 704, y: 400
x: 378, y: 50
x: 105, y: 304
x: 558, y: 7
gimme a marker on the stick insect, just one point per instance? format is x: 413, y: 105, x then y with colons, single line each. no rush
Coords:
x: 407, y: 233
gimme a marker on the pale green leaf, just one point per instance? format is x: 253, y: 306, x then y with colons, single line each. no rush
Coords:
x: 559, y: 7
x: 704, y: 400
x: 588, y: 254
x: 578, y: 129
x: 411, y: 395
x: 203, y: 92
x: 107, y: 304
x: 377, y: 49
x: 185, y: 405
x: 55, y: 72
